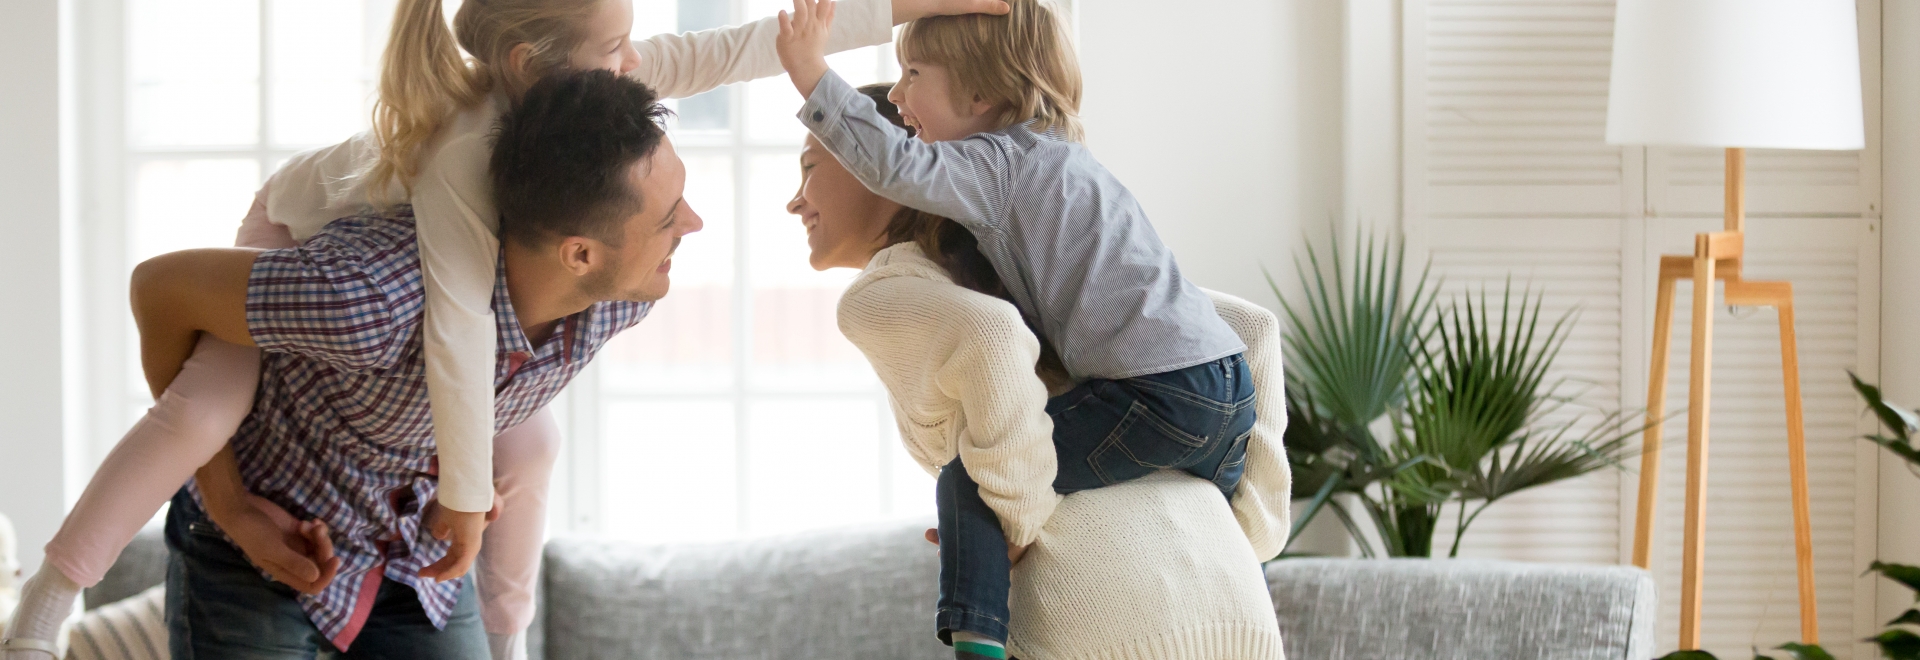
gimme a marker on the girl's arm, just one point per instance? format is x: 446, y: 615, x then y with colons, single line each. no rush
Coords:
x: 973, y: 348
x: 1261, y: 503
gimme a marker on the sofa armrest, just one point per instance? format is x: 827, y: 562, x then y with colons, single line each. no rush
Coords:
x: 1332, y: 609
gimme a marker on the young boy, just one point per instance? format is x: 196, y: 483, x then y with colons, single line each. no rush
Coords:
x: 1160, y: 379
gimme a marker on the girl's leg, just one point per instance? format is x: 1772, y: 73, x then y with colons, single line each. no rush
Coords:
x: 509, y: 563
x: 191, y: 421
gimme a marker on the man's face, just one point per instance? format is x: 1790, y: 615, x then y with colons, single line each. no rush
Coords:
x: 638, y: 269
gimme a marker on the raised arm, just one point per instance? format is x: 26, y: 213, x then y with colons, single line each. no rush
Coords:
x: 967, y: 180
x: 682, y: 65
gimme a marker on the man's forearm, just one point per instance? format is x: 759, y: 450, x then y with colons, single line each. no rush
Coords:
x: 178, y: 295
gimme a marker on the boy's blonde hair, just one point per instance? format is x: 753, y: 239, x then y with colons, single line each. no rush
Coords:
x: 1022, y: 62
x: 425, y: 77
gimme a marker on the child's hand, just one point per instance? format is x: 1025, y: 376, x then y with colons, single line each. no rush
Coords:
x: 803, y: 42
x: 465, y: 529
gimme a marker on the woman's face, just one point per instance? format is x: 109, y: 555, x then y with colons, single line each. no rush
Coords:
x: 607, y: 41
x: 845, y: 222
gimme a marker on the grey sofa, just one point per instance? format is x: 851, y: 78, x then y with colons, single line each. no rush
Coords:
x: 867, y: 593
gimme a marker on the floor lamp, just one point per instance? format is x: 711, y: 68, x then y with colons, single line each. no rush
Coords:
x: 1734, y: 74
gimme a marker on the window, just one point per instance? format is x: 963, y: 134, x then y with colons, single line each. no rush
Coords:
x: 736, y: 408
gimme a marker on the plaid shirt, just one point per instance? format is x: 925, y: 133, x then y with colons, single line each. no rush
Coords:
x: 340, y: 429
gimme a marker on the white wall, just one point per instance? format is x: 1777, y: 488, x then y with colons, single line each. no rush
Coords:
x: 1900, y: 273
x: 1224, y: 119
x: 33, y: 447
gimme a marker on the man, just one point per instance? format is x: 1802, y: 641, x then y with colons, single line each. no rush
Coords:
x: 589, y: 192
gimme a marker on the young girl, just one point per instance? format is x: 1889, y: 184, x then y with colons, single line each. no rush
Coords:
x: 1161, y: 381
x: 428, y: 148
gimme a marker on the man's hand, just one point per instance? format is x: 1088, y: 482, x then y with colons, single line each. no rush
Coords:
x: 803, y: 43
x: 465, y: 529
x: 910, y: 10
x: 1014, y: 552
x: 297, y: 553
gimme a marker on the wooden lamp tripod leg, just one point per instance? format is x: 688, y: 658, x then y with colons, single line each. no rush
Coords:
x: 1797, y: 464
x: 1656, y: 410
x: 1700, y: 381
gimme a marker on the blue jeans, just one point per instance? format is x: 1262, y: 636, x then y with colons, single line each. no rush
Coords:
x: 1105, y: 432
x: 218, y: 606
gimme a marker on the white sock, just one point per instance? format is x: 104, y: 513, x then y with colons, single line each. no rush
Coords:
x: 46, y: 600
x: 511, y: 646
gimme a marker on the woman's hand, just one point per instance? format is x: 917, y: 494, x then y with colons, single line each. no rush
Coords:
x: 911, y: 10
x: 802, y: 44
x: 1014, y: 552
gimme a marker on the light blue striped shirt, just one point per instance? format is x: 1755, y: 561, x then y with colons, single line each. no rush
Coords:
x: 1072, y: 245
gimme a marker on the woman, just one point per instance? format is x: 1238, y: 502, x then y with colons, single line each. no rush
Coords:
x: 960, y: 366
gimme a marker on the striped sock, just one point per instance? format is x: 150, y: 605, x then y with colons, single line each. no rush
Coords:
x: 968, y: 646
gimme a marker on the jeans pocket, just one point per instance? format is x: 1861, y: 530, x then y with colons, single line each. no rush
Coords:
x: 1233, y: 466
x: 1143, y: 443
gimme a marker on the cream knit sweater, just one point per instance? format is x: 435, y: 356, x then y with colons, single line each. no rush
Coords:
x: 1160, y: 567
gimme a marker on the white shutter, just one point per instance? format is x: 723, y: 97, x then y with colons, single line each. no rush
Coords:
x: 1506, y: 173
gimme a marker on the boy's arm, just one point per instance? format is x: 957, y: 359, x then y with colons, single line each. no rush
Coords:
x: 966, y: 180
x: 682, y: 65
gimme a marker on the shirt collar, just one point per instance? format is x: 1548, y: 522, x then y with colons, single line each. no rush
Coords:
x: 513, y: 337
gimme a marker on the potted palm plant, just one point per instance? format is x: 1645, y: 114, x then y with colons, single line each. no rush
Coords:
x: 1401, y: 404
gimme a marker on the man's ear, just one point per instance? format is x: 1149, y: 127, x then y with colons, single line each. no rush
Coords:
x: 579, y: 254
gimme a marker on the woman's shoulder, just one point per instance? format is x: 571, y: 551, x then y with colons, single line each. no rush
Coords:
x: 901, y: 290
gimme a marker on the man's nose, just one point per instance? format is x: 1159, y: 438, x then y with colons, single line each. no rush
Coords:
x: 694, y: 222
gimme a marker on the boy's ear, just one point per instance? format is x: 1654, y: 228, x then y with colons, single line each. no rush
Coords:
x: 980, y: 106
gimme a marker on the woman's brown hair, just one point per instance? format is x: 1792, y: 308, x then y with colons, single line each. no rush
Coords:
x: 954, y: 248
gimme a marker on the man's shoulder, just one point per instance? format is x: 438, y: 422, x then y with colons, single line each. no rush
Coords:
x: 371, y: 229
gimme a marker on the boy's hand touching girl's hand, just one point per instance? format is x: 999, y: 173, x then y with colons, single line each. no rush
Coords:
x: 802, y: 44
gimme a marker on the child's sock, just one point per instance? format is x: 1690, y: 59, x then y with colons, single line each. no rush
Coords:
x: 46, y: 600
x: 969, y: 646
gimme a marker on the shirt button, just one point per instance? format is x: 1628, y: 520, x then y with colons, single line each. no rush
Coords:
x: 819, y: 116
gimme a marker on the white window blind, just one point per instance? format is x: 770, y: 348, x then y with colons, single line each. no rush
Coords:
x: 1506, y: 172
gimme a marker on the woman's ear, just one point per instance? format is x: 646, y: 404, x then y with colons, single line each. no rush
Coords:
x: 517, y: 60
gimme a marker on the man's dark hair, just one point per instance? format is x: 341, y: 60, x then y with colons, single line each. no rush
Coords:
x: 560, y: 157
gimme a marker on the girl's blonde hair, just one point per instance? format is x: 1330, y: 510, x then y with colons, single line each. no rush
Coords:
x: 424, y: 77
x: 1022, y: 62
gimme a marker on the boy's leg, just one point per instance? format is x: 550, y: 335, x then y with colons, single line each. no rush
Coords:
x: 974, y: 571
x: 1109, y: 431
x: 398, y: 629
x: 219, y: 606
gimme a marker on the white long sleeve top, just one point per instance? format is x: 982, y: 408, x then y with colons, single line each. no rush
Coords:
x: 458, y: 228
x: 1158, y: 567
x: 959, y: 368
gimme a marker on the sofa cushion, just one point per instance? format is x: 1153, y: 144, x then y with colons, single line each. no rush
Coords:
x: 1333, y: 609
x: 859, y: 592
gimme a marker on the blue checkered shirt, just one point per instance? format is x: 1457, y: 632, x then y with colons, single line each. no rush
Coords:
x: 339, y: 429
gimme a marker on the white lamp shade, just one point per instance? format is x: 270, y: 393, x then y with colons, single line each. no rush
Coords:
x: 1782, y: 74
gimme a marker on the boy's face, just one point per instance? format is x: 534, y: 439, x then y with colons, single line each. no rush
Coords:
x: 932, y: 104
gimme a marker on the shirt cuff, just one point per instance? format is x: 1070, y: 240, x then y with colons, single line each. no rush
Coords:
x: 825, y: 115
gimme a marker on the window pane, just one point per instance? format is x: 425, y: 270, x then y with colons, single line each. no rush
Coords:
x: 686, y: 343
x: 323, y: 78
x: 651, y: 17
x: 181, y: 204
x: 812, y: 463
x: 912, y: 487
x: 772, y: 102
x: 797, y: 343
x: 193, y: 71
x: 667, y: 470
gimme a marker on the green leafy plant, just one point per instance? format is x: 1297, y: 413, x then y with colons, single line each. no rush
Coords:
x: 1461, y: 394
x: 1896, y: 642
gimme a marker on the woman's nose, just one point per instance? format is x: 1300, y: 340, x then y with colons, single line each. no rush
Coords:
x: 793, y: 205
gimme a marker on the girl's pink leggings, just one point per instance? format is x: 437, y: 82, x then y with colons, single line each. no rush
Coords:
x: 203, y: 408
